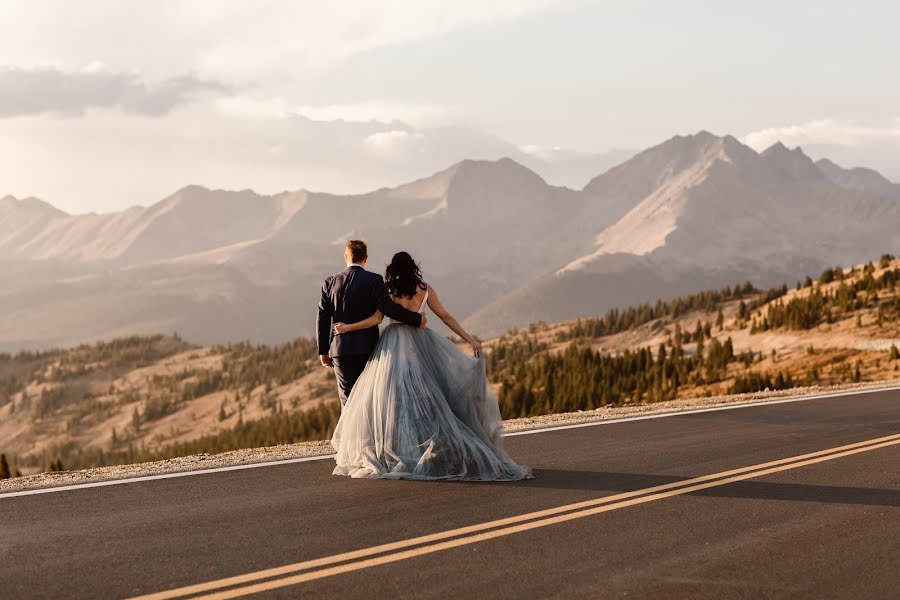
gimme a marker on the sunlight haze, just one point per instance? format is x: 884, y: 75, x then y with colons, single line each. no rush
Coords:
x: 100, y: 110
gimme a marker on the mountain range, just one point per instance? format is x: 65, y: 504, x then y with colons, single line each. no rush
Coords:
x: 503, y: 247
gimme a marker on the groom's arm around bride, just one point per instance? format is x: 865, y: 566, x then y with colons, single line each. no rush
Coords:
x: 350, y: 296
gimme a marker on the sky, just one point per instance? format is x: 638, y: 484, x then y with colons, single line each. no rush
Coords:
x: 109, y: 103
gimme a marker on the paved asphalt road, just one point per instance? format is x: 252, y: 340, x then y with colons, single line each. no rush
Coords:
x: 828, y: 529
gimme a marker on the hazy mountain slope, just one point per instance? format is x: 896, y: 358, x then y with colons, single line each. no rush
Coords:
x: 501, y: 245
x: 859, y: 178
x: 481, y: 230
x: 217, y: 265
x: 617, y: 280
x: 22, y: 220
x: 611, y: 281
x: 716, y: 200
x: 707, y: 211
x: 568, y: 168
x: 193, y: 219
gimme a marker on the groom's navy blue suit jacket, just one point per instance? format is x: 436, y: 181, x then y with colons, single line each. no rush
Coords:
x: 350, y: 296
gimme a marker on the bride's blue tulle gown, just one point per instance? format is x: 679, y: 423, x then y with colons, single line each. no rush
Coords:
x: 422, y: 409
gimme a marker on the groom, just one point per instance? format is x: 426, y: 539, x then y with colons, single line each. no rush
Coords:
x: 350, y: 296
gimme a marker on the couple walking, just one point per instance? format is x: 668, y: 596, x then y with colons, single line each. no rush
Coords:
x: 414, y: 406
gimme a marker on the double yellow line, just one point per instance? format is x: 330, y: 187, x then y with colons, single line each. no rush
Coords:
x: 328, y: 566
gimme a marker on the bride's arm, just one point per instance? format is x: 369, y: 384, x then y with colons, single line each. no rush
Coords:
x: 434, y: 303
x: 373, y: 321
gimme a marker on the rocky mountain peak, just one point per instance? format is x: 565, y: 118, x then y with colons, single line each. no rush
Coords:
x: 31, y: 205
x: 793, y: 163
x: 858, y: 179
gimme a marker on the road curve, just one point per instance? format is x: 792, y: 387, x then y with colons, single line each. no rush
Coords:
x: 785, y: 500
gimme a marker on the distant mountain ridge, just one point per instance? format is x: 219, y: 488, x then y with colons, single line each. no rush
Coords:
x: 709, y: 211
x: 504, y: 247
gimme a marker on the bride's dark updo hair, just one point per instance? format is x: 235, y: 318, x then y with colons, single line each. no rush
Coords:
x: 403, y: 277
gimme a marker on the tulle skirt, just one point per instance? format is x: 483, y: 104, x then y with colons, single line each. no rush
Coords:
x: 422, y: 409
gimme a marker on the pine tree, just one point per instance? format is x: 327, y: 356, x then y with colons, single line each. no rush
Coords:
x: 4, y: 467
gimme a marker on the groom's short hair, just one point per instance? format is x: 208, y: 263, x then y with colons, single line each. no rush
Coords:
x: 357, y: 250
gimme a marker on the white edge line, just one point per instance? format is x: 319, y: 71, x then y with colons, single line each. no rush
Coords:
x: 695, y: 411
x: 76, y: 486
x: 289, y: 461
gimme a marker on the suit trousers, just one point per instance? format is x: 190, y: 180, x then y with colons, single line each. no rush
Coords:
x: 347, y: 369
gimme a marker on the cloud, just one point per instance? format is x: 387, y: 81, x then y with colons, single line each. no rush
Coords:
x: 54, y: 90
x: 417, y: 114
x: 552, y: 153
x: 316, y: 36
x: 390, y: 143
x: 240, y: 40
x: 849, y: 143
x: 825, y: 132
x: 112, y: 159
x: 264, y: 107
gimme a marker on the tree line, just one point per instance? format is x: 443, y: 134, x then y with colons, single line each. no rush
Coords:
x: 618, y: 320
x: 581, y: 378
x: 281, y: 427
x: 818, y: 306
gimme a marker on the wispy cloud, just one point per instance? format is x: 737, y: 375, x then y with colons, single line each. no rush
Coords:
x: 311, y: 35
x: 417, y: 114
x: 240, y: 40
x: 393, y: 142
x: 51, y: 89
x: 263, y: 107
x: 825, y: 132
x: 849, y: 143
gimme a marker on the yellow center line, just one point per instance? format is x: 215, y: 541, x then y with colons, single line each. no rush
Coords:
x: 502, y: 527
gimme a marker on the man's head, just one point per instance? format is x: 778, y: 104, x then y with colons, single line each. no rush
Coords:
x: 356, y: 252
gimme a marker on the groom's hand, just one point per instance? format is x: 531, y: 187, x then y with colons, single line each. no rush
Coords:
x: 424, y: 321
x: 326, y: 361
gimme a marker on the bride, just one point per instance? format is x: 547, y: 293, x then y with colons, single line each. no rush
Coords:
x: 422, y: 408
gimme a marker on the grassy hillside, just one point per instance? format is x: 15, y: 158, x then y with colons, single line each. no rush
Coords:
x: 142, y: 398
x: 842, y: 327
x: 138, y: 397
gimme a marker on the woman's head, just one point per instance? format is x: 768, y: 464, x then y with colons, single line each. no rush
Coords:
x: 403, y: 277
